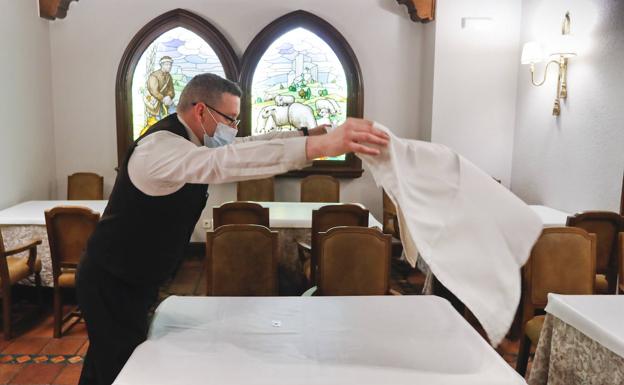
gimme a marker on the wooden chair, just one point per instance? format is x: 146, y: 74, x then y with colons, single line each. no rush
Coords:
x: 606, y: 225
x: 390, y: 219
x: 320, y: 188
x: 85, y: 186
x: 391, y: 224
x: 240, y: 213
x: 12, y: 270
x: 259, y: 190
x: 621, y: 260
x: 563, y: 261
x: 69, y: 229
x: 354, y: 261
x: 324, y: 219
x: 241, y: 260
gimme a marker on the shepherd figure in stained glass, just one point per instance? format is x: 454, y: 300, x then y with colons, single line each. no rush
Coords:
x: 160, y: 93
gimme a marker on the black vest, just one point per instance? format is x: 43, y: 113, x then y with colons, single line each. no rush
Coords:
x: 140, y: 238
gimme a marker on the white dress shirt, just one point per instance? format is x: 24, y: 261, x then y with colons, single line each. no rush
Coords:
x: 163, y: 161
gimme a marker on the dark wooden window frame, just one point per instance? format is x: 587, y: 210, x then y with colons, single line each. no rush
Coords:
x: 140, y: 42
x: 352, y: 166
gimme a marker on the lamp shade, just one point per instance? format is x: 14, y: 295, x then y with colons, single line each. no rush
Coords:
x: 532, y: 52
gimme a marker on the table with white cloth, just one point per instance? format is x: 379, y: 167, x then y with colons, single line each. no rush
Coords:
x: 313, y: 340
x: 582, y: 341
x: 26, y: 221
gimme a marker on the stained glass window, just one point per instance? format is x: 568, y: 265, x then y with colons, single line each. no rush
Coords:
x: 299, y: 81
x: 163, y: 70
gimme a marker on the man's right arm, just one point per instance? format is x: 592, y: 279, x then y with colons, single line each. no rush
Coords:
x: 163, y: 162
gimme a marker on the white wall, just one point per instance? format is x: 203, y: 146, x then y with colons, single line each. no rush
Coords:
x: 87, y: 47
x: 26, y: 132
x: 474, y: 86
x: 575, y: 161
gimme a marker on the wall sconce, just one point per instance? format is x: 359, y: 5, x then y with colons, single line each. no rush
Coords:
x: 562, y: 48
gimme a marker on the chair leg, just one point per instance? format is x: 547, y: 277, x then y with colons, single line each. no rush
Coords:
x: 58, y: 312
x: 523, y: 355
x: 612, y: 281
x: 39, y: 291
x: 6, y: 312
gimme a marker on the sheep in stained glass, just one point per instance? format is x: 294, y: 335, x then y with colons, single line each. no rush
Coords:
x: 327, y: 107
x: 296, y: 115
x: 284, y: 100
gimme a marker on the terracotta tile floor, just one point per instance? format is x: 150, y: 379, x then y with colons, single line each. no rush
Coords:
x: 33, y: 357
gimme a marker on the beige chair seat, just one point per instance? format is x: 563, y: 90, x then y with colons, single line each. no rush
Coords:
x: 534, y: 328
x: 67, y: 278
x: 18, y: 268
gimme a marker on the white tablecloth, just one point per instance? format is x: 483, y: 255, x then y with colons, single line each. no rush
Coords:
x: 32, y: 212
x: 550, y: 217
x: 600, y: 317
x: 390, y: 340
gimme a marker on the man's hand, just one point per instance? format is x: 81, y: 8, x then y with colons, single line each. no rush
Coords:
x: 351, y: 136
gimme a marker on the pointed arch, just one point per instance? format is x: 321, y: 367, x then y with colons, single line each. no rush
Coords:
x: 137, y: 47
x: 353, y: 99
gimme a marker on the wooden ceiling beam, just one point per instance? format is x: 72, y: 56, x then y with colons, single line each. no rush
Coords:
x: 54, y: 9
x: 422, y: 11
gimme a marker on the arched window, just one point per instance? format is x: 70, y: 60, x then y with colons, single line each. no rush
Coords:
x: 161, y: 58
x: 300, y: 71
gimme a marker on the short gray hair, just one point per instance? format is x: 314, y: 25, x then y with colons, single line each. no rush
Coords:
x: 206, y: 88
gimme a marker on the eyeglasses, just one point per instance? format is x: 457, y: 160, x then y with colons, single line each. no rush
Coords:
x: 233, y: 122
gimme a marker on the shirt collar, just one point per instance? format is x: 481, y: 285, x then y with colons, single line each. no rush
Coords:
x: 192, y: 137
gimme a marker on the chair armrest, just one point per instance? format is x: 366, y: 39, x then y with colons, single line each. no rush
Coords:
x: 394, y: 292
x: 30, y: 245
x: 310, y: 292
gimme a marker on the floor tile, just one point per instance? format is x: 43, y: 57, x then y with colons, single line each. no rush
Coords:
x: 44, y: 328
x: 83, y: 349
x: 69, y: 375
x: 3, y: 343
x: 26, y: 345
x: 66, y: 346
x: 37, y: 374
x: 8, y: 371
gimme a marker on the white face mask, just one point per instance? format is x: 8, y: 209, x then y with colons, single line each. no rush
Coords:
x: 223, y: 135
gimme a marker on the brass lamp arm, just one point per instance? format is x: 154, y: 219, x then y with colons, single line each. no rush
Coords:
x: 545, y: 72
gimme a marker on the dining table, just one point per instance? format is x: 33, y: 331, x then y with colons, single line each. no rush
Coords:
x: 293, y: 221
x: 363, y: 340
x: 581, y: 342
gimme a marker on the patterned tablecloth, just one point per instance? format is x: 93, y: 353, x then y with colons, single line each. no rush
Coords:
x: 565, y: 356
x: 16, y: 235
x: 582, y: 341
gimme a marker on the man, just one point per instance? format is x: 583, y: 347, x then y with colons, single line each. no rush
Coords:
x: 159, y: 194
x: 160, y: 93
